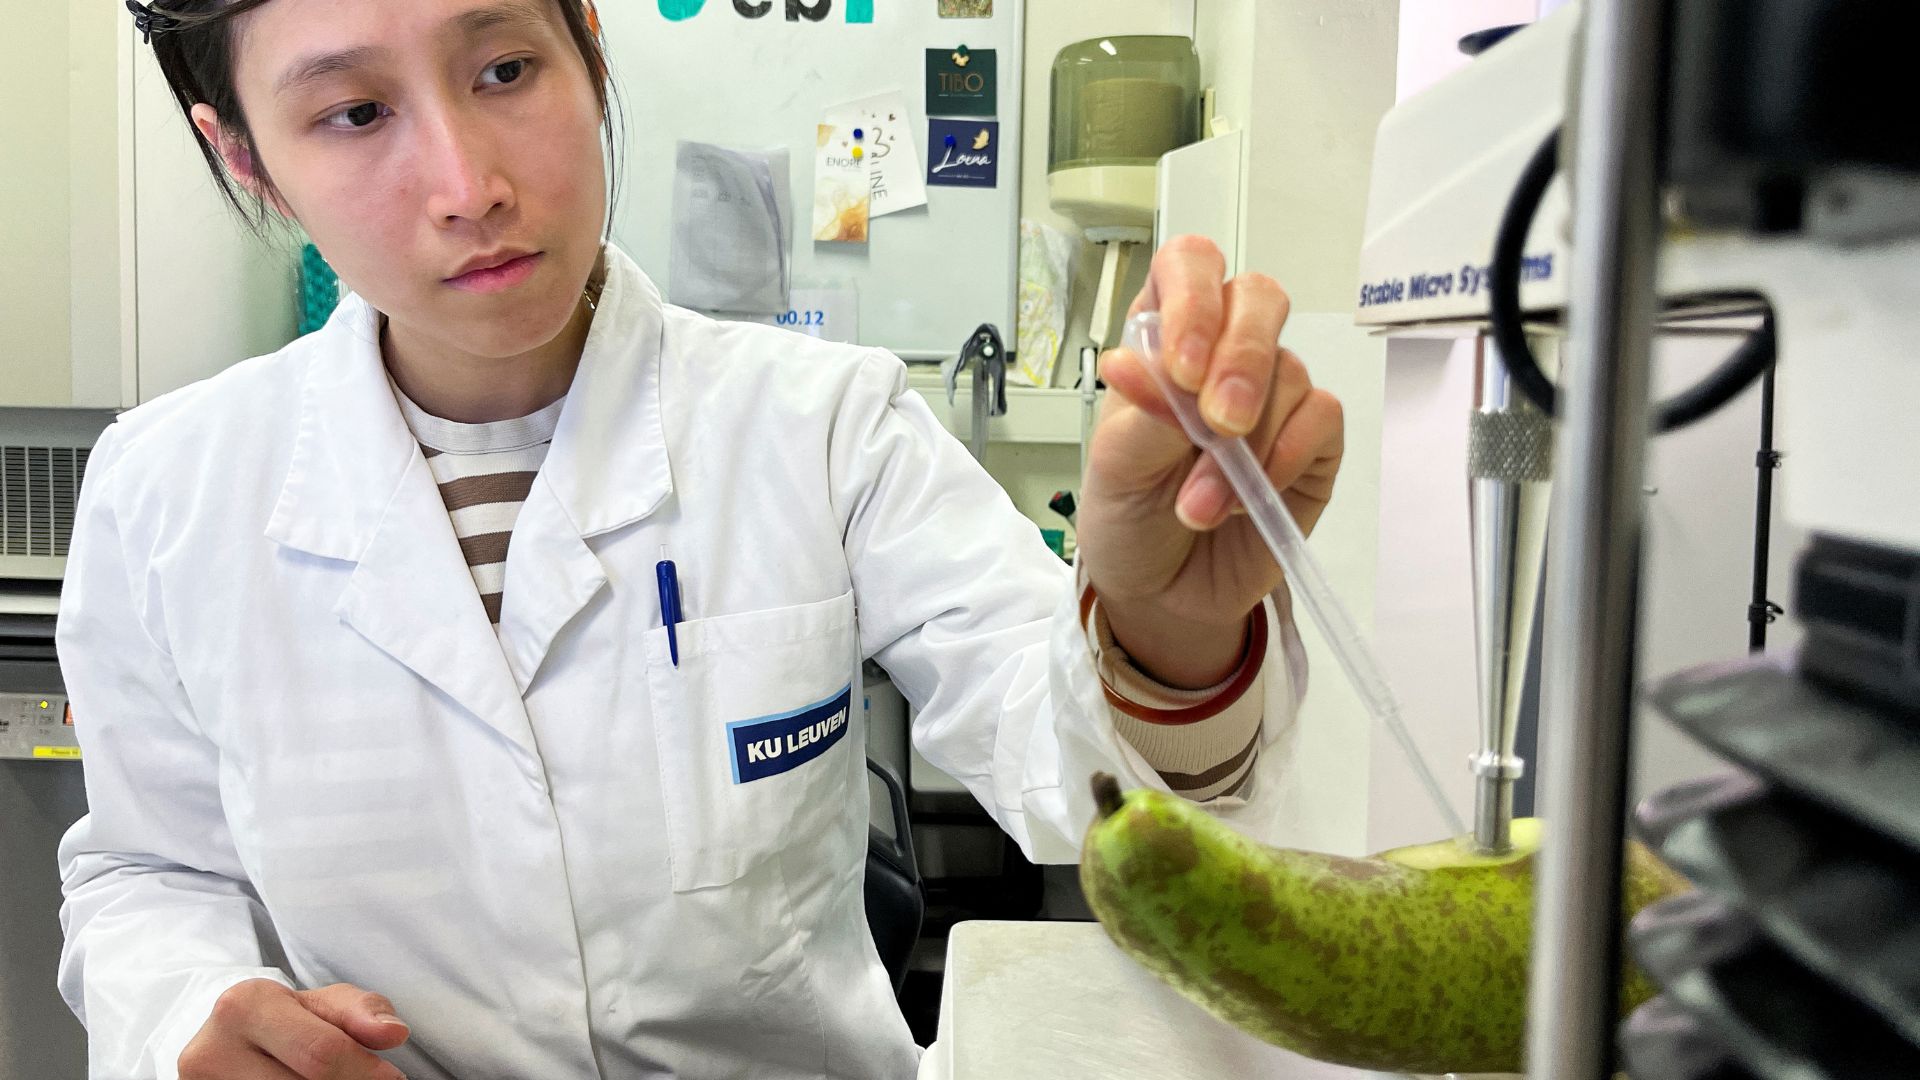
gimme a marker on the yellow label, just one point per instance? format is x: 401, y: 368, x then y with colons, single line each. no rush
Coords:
x: 56, y: 751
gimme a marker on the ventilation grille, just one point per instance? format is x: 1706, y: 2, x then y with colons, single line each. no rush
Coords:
x: 39, y: 486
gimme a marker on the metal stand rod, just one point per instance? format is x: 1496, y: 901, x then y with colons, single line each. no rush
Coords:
x: 1760, y: 610
x: 1593, y: 582
x: 977, y: 435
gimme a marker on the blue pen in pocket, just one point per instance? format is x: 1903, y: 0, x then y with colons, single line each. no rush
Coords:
x: 669, y: 603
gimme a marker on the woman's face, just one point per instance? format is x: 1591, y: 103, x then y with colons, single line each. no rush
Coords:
x: 417, y: 141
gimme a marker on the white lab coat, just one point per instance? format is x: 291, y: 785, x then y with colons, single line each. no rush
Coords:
x: 309, y: 759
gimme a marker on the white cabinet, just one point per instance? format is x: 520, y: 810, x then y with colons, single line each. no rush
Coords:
x: 122, y: 275
x: 58, y: 182
x: 208, y: 292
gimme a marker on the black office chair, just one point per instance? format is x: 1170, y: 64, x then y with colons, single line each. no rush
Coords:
x: 896, y: 899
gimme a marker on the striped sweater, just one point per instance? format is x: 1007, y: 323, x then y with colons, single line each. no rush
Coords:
x: 1203, y: 743
x: 485, y: 472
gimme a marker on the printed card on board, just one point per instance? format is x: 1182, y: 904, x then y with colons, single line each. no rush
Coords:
x: 961, y: 82
x: 882, y: 127
x: 842, y: 191
x: 963, y: 153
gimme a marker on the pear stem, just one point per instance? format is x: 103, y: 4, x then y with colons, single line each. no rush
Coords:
x: 1106, y: 794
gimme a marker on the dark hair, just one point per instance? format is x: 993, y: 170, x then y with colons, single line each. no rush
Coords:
x: 195, y: 55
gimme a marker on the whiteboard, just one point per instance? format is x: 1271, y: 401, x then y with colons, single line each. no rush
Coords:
x: 928, y: 276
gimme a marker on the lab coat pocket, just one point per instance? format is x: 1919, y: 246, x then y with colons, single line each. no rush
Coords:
x: 757, y: 743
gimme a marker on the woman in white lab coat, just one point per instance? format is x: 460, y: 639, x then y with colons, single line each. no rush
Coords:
x: 364, y: 798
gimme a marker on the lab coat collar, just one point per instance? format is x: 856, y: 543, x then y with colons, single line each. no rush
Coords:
x: 608, y: 464
x: 358, y: 489
x: 607, y: 468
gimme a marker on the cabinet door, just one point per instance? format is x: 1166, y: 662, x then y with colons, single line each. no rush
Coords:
x: 60, y: 210
x: 209, y: 293
x: 122, y: 273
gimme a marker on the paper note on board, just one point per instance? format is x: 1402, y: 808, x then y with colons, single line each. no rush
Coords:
x: 731, y: 237
x: 883, y: 128
x: 842, y: 190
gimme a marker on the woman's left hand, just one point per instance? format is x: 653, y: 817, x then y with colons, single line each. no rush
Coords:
x: 1177, y: 566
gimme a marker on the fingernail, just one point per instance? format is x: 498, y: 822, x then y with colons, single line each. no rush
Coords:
x: 1191, y: 364
x: 389, y: 1018
x: 1233, y: 407
x: 1202, y: 503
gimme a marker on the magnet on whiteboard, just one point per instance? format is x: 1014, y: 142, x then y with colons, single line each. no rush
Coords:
x: 858, y: 153
x: 859, y: 134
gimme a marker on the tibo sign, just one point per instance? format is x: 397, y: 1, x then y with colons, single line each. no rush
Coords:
x: 857, y: 11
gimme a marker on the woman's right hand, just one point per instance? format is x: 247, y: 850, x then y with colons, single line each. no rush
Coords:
x: 260, y: 1030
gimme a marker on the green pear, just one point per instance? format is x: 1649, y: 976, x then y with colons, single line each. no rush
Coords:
x: 1414, y: 960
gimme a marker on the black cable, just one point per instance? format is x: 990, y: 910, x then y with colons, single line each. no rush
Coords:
x: 1509, y: 246
x: 1753, y: 358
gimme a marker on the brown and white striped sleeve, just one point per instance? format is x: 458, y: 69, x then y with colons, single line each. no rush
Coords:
x: 1203, y: 743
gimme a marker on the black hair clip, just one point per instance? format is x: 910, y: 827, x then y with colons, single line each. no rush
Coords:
x: 150, y: 21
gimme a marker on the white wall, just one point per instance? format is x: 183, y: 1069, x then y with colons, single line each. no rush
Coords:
x: 1308, y: 81
x: 1430, y: 31
x: 1423, y: 610
x: 1699, y: 560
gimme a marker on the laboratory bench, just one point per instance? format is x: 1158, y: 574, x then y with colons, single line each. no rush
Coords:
x: 1058, y: 1001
